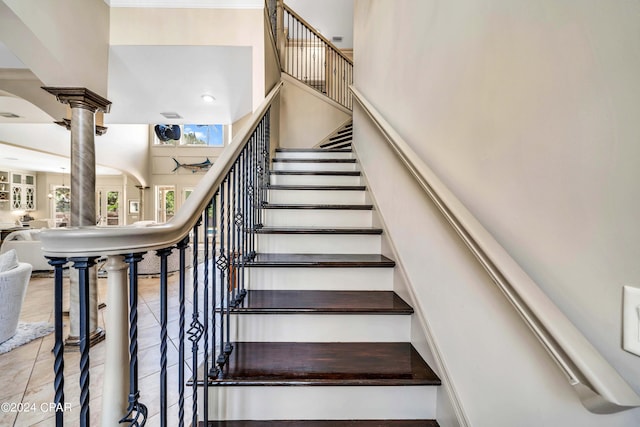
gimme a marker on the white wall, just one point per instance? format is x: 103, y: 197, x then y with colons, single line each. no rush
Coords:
x: 74, y: 57
x: 307, y: 116
x: 528, y: 112
x: 329, y: 17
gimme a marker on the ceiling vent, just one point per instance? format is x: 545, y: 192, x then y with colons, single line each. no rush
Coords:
x: 171, y: 115
x: 9, y: 115
x: 336, y: 38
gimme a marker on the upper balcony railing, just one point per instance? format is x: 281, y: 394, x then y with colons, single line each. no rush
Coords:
x: 216, y: 226
x: 308, y: 56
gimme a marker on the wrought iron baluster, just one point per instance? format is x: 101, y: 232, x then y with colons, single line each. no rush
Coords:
x: 136, y: 411
x: 195, y: 328
x: 213, y: 371
x: 163, y: 254
x: 222, y: 264
x: 228, y: 348
x: 182, y: 247
x: 232, y: 234
x: 82, y: 265
x: 205, y: 320
x: 58, y: 349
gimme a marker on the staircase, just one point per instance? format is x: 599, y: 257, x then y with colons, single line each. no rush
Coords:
x: 321, y: 338
x: 340, y: 139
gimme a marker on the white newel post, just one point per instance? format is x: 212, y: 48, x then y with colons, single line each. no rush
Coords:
x: 116, y: 368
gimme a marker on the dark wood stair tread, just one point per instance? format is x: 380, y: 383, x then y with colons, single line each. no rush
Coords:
x: 318, y: 160
x: 320, y: 260
x: 345, y: 363
x: 350, y: 302
x: 324, y: 423
x: 322, y: 173
x: 318, y: 187
x: 319, y: 230
x: 318, y: 206
x: 311, y: 150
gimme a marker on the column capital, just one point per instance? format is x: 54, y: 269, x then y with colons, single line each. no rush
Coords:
x: 80, y: 97
x: 66, y: 123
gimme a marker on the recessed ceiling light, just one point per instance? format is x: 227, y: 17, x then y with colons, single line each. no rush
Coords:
x: 208, y: 98
x: 171, y: 115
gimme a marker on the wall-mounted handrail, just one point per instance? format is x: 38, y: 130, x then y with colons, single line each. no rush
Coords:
x: 599, y: 386
x: 312, y: 58
x: 100, y: 241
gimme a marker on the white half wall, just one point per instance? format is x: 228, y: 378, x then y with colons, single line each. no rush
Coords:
x: 306, y: 115
x: 528, y: 112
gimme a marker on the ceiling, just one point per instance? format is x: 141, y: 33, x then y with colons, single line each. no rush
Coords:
x: 145, y: 81
x: 18, y: 158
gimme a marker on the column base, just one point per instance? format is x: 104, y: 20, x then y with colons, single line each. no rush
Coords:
x: 72, y: 344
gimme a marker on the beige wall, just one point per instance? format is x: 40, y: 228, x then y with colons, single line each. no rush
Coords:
x: 77, y: 56
x: 528, y: 112
x: 306, y: 116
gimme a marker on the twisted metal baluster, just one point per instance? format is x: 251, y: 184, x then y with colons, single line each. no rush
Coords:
x: 195, y: 328
x: 232, y: 235
x: 213, y: 371
x: 238, y: 220
x: 228, y: 348
x: 252, y: 193
x: 136, y: 411
x: 163, y: 254
x: 58, y: 349
x: 182, y: 246
x: 205, y: 321
x: 82, y: 265
x: 222, y: 267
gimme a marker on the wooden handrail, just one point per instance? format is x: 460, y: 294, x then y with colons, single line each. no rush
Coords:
x: 599, y: 386
x: 100, y: 241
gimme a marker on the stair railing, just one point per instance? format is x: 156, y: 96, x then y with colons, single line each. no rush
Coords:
x: 599, y: 386
x: 224, y: 210
x: 311, y: 58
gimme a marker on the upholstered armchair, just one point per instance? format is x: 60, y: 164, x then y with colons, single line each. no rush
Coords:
x: 13, y: 287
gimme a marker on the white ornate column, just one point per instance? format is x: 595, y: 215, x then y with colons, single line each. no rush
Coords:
x: 115, y: 386
x: 142, y: 189
x: 84, y: 105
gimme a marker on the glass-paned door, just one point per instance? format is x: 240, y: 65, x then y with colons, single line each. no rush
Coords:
x: 113, y: 207
x: 62, y: 205
x: 165, y: 202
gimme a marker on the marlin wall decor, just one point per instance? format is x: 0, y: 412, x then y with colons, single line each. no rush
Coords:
x: 193, y: 167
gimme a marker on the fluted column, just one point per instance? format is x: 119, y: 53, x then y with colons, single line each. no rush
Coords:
x: 84, y: 105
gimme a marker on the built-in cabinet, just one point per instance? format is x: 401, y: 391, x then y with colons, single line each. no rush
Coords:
x: 5, y: 189
x: 18, y: 190
x: 23, y: 191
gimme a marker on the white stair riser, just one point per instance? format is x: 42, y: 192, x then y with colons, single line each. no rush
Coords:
x: 319, y: 243
x: 332, y: 197
x: 321, y: 327
x: 317, y: 218
x: 313, y: 166
x: 314, y: 155
x: 318, y: 279
x: 321, y: 402
x: 314, y: 180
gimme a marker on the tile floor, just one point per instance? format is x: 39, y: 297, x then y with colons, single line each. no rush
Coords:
x: 26, y: 372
